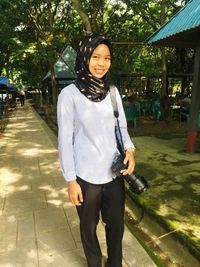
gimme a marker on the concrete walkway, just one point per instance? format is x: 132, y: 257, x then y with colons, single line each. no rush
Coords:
x: 38, y: 226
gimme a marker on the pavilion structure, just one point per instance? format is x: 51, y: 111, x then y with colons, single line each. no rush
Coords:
x: 183, y: 30
x: 63, y: 68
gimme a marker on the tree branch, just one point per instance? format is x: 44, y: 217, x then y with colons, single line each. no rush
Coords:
x: 79, y: 8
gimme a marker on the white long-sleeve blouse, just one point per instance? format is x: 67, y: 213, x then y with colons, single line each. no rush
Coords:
x: 86, y: 136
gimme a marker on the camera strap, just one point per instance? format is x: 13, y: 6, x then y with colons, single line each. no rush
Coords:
x: 118, y: 134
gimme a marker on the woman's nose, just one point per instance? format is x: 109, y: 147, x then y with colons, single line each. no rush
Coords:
x: 101, y: 61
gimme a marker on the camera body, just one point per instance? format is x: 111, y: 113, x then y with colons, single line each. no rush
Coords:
x: 137, y: 184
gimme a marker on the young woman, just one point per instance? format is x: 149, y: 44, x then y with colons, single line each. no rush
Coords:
x: 87, y: 147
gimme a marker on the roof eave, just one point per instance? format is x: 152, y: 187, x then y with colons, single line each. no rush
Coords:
x: 169, y: 42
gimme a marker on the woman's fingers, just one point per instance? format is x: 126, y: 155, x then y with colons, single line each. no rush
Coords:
x: 75, y: 193
x: 129, y: 158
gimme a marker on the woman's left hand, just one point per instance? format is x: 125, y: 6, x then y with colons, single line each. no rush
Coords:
x: 129, y: 158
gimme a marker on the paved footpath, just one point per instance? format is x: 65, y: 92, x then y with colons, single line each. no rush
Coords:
x: 38, y: 226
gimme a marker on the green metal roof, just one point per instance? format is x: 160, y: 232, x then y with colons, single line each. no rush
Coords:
x: 64, y: 66
x: 183, y: 29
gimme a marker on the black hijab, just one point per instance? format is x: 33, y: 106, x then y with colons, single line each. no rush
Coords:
x: 93, y: 88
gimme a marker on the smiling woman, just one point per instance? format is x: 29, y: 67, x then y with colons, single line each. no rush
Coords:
x: 87, y: 148
x: 100, y: 61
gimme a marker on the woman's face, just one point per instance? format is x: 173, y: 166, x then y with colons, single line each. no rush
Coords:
x: 100, y: 61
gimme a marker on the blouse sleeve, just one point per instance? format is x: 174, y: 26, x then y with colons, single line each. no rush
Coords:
x: 65, y: 119
x: 123, y: 124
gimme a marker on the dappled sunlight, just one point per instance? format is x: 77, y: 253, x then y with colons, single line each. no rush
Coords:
x: 55, y: 196
x: 31, y: 254
x: 68, y: 204
x: 55, y: 202
x: 8, y: 177
x: 18, y: 126
x: 12, y: 178
x: 174, y: 190
x: 22, y: 188
x: 54, y: 165
x: 10, y: 246
x: 185, y: 227
x: 63, y: 191
x: 50, y: 168
x: 175, y: 187
x: 196, y: 188
x: 20, y: 257
x: 20, y: 130
x: 34, y: 152
x: 33, y: 199
x: 9, y: 219
x: 47, y: 257
x: 163, y: 209
x: 9, y: 189
x: 174, y: 211
x: 21, y: 116
x: 51, y: 257
x: 45, y: 187
x: 30, y: 130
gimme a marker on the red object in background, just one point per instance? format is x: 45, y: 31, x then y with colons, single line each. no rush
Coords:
x: 191, y: 141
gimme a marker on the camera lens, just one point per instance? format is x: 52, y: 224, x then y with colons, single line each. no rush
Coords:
x: 137, y: 184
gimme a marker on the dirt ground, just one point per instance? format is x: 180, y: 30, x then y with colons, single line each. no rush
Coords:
x: 149, y: 127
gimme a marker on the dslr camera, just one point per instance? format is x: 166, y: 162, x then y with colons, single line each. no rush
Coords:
x: 137, y: 184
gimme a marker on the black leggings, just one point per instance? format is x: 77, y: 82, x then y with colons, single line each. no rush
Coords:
x: 109, y: 200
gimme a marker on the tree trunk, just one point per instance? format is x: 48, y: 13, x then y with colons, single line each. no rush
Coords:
x: 79, y: 8
x: 148, y: 84
x: 184, y: 85
x: 163, y: 89
x: 53, y: 85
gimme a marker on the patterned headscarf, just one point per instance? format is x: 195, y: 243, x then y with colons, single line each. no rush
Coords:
x: 93, y: 88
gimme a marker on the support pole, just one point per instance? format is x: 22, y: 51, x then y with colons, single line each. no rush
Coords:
x: 195, y: 105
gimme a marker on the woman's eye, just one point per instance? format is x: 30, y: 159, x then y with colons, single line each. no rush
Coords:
x: 95, y: 57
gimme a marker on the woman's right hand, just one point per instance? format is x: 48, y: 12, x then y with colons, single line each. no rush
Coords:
x: 75, y: 193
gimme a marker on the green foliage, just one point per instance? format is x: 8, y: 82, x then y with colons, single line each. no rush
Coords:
x: 36, y: 35
x: 39, y: 30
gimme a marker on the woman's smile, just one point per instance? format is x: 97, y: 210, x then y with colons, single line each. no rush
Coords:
x: 100, y: 61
